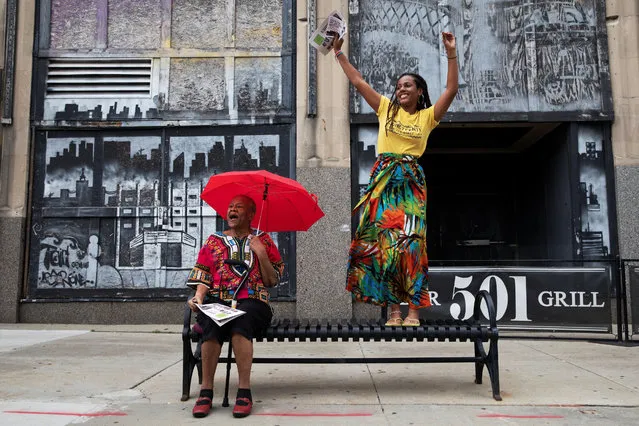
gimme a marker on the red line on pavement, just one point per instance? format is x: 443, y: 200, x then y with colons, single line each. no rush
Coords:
x: 510, y: 416
x: 62, y: 413
x: 315, y: 414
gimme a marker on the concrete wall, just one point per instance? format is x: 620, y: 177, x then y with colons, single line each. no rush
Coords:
x: 14, y: 166
x: 152, y: 312
x: 623, y: 43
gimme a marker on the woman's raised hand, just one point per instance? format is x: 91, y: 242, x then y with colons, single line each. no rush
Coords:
x: 449, y: 41
x: 337, y: 42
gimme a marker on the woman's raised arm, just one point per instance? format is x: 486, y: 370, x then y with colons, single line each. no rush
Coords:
x: 446, y: 98
x: 371, y: 97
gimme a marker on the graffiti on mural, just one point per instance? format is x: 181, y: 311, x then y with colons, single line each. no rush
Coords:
x: 62, y: 263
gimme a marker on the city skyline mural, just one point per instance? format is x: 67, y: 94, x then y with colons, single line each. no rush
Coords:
x: 138, y: 220
x: 593, y: 233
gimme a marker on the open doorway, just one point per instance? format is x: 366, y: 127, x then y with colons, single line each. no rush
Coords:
x: 499, y: 193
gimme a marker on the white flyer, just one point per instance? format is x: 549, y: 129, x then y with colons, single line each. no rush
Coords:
x: 321, y: 39
x: 220, y: 313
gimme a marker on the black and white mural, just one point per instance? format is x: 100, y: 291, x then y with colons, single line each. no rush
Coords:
x: 116, y: 213
x: 366, y: 154
x: 152, y: 60
x: 258, y: 86
x: 76, y: 108
x: 197, y: 88
x: 514, y: 55
x: 593, y: 232
x: 155, y: 97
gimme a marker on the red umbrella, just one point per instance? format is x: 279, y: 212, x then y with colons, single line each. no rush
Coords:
x: 283, y: 204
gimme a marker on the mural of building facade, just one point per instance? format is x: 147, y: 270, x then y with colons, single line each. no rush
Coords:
x: 139, y: 218
x: 183, y: 90
x: 238, y: 66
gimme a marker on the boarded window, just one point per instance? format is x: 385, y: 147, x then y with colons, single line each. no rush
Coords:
x: 197, y: 84
x: 134, y: 24
x: 199, y: 24
x: 70, y: 26
x: 258, y: 24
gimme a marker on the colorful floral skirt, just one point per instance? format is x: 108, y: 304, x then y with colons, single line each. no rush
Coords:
x: 387, y: 262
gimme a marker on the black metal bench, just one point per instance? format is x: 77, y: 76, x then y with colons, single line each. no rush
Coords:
x: 324, y: 331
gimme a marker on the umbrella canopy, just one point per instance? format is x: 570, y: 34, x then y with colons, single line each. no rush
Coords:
x: 282, y: 204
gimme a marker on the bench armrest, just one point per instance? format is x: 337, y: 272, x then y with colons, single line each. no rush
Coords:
x: 490, y: 305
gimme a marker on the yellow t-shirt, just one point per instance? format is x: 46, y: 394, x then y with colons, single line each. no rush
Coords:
x: 409, y: 134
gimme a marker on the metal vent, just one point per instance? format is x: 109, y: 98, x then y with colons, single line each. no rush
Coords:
x: 99, y: 78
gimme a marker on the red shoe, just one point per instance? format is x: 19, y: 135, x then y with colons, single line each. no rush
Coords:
x: 202, y: 407
x: 242, y: 407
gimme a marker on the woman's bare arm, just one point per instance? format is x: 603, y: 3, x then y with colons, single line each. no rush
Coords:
x: 452, y: 85
x: 371, y: 97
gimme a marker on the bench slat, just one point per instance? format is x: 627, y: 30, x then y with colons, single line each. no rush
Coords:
x: 366, y: 331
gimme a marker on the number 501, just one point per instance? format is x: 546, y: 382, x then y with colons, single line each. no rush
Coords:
x: 501, y: 298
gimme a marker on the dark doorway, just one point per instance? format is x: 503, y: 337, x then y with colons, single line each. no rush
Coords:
x: 499, y: 193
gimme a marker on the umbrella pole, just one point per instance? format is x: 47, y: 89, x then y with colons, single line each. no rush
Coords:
x: 259, y: 221
x: 264, y: 195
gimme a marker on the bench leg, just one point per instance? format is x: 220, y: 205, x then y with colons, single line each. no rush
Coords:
x: 479, y: 365
x: 189, y: 362
x: 491, y: 361
x: 225, y: 401
x: 492, y: 365
x: 198, y: 361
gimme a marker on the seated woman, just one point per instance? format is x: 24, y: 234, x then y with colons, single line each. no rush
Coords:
x: 215, y: 280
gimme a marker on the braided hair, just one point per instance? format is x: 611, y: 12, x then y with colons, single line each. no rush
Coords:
x: 423, y: 101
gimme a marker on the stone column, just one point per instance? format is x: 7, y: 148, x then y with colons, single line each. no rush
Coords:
x: 622, y: 19
x: 323, y: 166
x: 14, y: 167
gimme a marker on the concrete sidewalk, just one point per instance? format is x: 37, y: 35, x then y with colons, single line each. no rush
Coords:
x: 105, y: 375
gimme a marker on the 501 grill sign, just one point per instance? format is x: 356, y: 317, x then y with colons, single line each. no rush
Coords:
x: 534, y: 296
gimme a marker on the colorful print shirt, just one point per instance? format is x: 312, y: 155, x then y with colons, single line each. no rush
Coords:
x: 409, y: 133
x: 221, y: 279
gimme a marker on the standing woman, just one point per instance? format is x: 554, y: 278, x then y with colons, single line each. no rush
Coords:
x: 388, y: 263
